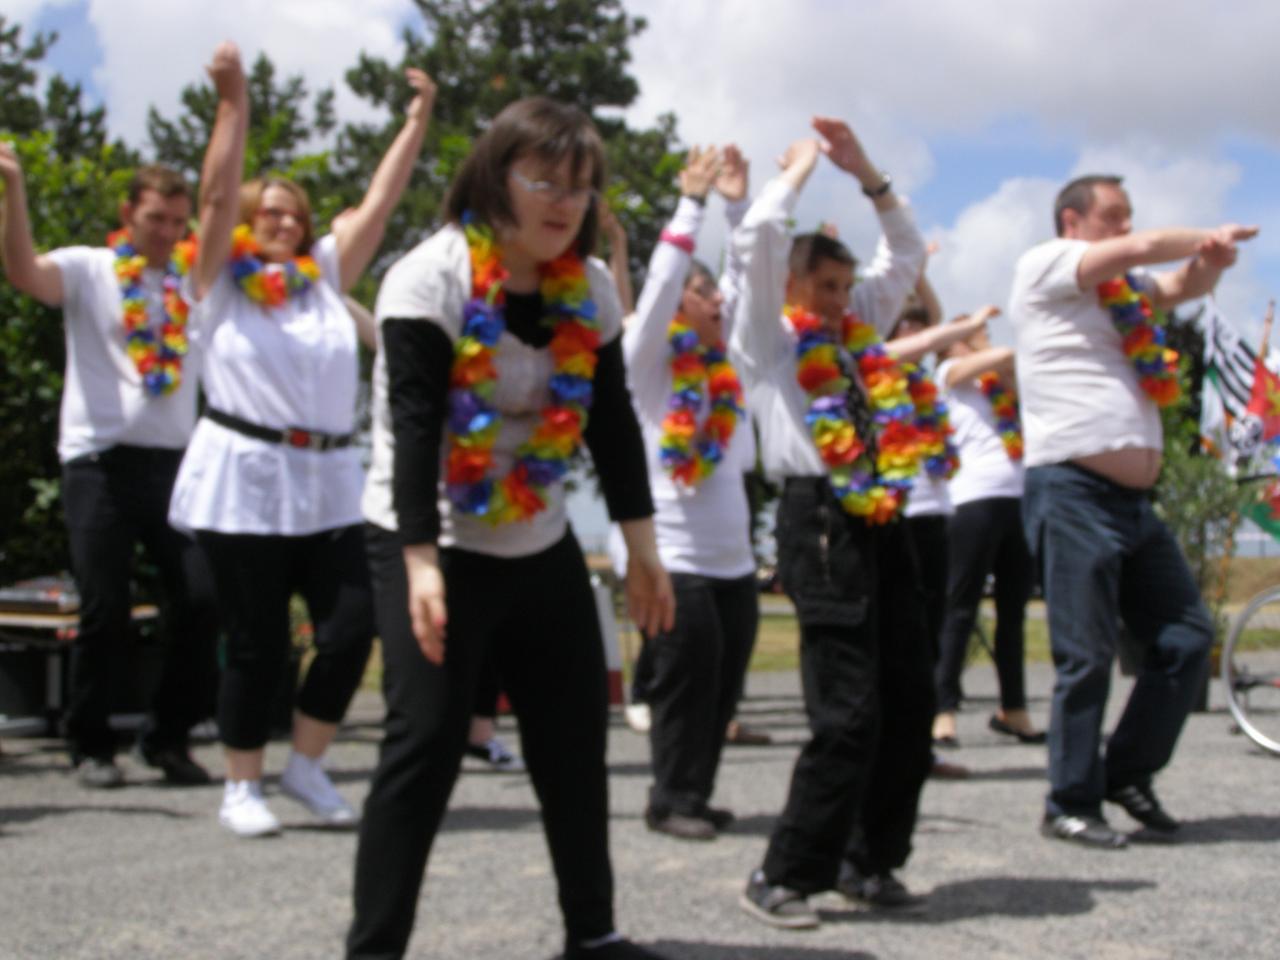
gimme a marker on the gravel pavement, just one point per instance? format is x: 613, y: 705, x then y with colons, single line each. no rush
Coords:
x: 146, y: 872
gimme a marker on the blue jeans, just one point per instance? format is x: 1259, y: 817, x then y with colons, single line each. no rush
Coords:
x: 1105, y: 558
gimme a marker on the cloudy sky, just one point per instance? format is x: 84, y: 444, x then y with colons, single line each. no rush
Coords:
x: 979, y: 110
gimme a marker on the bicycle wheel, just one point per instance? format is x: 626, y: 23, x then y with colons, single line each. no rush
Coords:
x: 1251, y: 669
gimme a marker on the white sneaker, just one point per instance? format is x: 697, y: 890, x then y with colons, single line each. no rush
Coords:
x: 638, y: 717
x: 495, y: 753
x: 244, y: 812
x: 304, y: 780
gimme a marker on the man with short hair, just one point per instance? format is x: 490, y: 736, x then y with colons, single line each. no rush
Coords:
x: 128, y: 408
x: 865, y: 663
x: 1091, y: 427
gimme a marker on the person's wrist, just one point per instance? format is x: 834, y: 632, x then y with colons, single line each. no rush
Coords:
x: 698, y: 198
x: 875, y: 184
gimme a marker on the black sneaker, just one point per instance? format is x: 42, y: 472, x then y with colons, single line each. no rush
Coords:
x: 1140, y: 803
x: 98, y: 773
x: 777, y: 906
x: 176, y: 764
x: 619, y: 949
x: 718, y: 817
x: 1086, y: 831
x: 679, y: 825
x: 880, y: 890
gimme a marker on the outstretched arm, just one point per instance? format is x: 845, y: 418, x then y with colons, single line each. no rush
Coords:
x: 997, y: 360
x: 731, y: 183
x: 36, y: 276
x: 619, y: 261
x: 924, y: 289
x: 359, y: 235
x: 223, y: 166
x: 915, y: 346
x: 1214, y: 250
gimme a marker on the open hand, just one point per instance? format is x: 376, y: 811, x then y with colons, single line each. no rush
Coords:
x: 801, y: 155
x: 10, y: 165
x: 1219, y: 248
x: 844, y: 150
x: 651, y: 602
x: 700, y: 170
x: 420, y: 106
x: 731, y: 183
x: 226, y: 72
x: 427, y: 612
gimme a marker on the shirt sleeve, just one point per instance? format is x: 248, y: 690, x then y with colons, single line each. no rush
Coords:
x: 1055, y: 269
x: 893, y: 271
x: 614, y: 439
x: 731, y: 275
x: 75, y: 266
x: 419, y: 357
x: 763, y: 242
x: 644, y: 344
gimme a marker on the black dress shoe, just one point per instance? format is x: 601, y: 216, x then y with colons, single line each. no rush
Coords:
x: 1087, y: 831
x: 176, y: 765
x: 882, y: 890
x: 1140, y: 803
x: 680, y: 825
x: 1000, y: 726
x: 718, y: 817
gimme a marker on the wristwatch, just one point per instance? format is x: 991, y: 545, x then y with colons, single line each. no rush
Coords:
x: 885, y: 185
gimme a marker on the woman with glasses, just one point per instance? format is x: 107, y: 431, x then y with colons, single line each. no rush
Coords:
x: 699, y: 445
x: 500, y: 355
x: 271, y: 483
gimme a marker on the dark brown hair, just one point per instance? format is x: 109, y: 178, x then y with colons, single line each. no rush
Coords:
x: 534, y: 126
x: 1078, y: 196
x: 699, y: 271
x: 251, y: 194
x: 810, y: 249
x: 163, y: 180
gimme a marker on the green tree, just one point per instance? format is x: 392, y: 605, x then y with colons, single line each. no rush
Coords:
x: 75, y: 179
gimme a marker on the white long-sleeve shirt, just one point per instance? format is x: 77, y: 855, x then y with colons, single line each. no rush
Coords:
x: 704, y: 529
x: 762, y: 347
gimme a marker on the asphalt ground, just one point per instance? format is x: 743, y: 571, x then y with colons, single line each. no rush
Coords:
x: 146, y: 871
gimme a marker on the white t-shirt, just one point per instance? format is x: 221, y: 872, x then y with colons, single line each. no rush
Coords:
x: 1079, y: 395
x: 104, y: 402
x: 985, y: 468
x: 705, y: 529
x: 432, y: 283
x: 763, y: 345
x: 289, y: 366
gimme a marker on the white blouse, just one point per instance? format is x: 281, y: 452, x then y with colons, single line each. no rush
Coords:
x: 289, y: 366
x: 985, y: 468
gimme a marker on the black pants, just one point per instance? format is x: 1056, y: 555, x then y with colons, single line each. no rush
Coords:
x: 257, y: 576
x: 537, y: 614
x: 113, y: 501
x: 696, y: 678
x: 929, y: 534
x: 865, y: 670
x: 986, y: 537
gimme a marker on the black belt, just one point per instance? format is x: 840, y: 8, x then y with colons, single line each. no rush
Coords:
x: 290, y: 436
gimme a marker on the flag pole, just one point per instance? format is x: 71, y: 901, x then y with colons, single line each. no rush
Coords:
x: 1267, y: 321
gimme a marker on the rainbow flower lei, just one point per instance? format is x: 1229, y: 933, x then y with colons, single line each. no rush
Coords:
x: 473, y: 421
x: 1004, y: 404
x: 690, y: 454
x: 1143, y: 328
x: 268, y: 284
x: 933, y: 425
x: 157, y: 358
x: 873, y: 491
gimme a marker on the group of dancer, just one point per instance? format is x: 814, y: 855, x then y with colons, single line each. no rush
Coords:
x: 500, y: 351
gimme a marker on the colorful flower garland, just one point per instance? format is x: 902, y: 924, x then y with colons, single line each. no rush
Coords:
x: 473, y: 421
x: 268, y: 284
x: 1004, y: 404
x: 1143, y: 328
x: 157, y: 358
x: 873, y: 491
x: 690, y: 454
x: 933, y: 425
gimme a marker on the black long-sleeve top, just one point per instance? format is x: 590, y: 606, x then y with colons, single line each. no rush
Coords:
x: 419, y: 356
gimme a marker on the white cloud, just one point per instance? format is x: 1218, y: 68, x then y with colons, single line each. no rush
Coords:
x: 151, y: 49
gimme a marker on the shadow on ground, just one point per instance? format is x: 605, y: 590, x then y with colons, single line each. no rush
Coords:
x: 1027, y: 897
x: 690, y: 950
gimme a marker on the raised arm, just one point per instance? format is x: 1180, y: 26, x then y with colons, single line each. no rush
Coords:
x: 359, y: 235
x: 223, y: 166
x: 645, y: 342
x: 763, y: 242
x: 1214, y: 250
x: 917, y: 345
x: 36, y: 276
x: 731, y: 183
x: 924, y: 289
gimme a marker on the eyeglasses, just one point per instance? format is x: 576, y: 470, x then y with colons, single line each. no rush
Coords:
x: 553, y: 192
